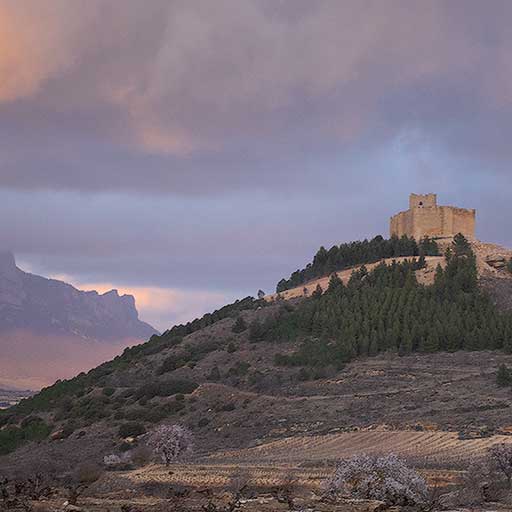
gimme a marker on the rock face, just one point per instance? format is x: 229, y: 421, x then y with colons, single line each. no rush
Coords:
x: 49, y: 306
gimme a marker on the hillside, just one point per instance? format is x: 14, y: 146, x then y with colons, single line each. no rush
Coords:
x: 258, y: 370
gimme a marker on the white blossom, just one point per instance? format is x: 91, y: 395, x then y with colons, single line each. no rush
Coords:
x: 385, y: 478
x: 170, y: 442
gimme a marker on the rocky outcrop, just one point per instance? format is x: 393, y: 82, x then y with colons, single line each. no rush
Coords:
x: 500, y: 291
x: 44, y: 305
x: 492, y: 259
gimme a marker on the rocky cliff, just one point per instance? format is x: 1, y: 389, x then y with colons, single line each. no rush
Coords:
x: 48, y: 306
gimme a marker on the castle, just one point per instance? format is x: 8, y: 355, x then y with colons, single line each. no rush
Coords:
x: 425, y: 218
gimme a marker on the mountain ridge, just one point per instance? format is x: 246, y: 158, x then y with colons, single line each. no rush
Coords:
x: 30, y: 301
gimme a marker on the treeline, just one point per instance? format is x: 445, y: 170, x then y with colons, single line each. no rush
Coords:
x: 387, y: 310
x: 340, y: 257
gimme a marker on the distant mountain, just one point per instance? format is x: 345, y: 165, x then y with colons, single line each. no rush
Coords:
x: 48, y: 306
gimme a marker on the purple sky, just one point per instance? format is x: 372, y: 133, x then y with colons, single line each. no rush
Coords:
x: 194, y: 151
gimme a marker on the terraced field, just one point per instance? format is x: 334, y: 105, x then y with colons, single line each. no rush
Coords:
x: 219, y: 475
x: 427, y: 447
x: 309, y: 460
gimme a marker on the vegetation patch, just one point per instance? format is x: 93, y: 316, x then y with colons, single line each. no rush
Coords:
x: 164, y: 388
x: 388, y: 310
x: 32, y: 428
x: 341, y: 257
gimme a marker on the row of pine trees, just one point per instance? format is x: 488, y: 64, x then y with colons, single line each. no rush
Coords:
x: 340, y: 257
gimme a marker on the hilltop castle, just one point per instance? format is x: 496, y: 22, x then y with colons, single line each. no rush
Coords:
x: 425, y: 218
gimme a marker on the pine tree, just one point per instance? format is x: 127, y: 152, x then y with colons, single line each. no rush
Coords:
x: 461, y: 246
x: 406, y: 344
x: 335, y: 283
x: 503, y: 376
x: 318, y: 291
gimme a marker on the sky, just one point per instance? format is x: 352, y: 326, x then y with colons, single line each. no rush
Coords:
x: 191, y: 152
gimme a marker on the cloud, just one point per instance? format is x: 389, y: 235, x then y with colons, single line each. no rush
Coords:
x: 38, y: 42
x: 251, y: 78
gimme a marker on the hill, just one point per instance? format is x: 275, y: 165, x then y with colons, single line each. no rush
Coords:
x: 258, y: 370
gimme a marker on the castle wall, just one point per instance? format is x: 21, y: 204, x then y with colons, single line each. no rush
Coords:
x: 464, y: 222
x: 425, y: 218
x: 426, y: 222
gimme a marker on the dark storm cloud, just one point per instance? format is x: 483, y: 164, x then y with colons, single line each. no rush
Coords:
x: 213, y: 146
x: 162, y: 94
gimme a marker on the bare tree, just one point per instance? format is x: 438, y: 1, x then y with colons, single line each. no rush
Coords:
x: 285, y: 490
x: 385, y: 478
x: 474, y: 484
x: 80, y: 479
x: 500, y: 456
x: 171, y: 442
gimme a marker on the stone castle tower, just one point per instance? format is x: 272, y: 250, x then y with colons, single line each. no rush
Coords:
x: 425, y: 218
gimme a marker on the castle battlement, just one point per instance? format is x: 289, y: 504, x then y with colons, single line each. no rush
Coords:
x: 425, y: 218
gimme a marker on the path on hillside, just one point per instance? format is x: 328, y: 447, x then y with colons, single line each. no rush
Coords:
x: 425, y: 276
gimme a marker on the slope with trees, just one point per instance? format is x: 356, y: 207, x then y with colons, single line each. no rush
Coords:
x: 350, y: 254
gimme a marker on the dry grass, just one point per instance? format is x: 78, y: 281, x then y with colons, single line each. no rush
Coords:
x: 425, y: 276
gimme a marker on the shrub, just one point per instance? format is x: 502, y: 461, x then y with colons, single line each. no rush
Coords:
x: 240, y: 369
x: 509, y: 266
x: 231, y: 348
x: 32, y: 428
x: 239, y: 325
x: 141, y: 455
x: 141, y: 414
x: 214, y: 374
x: 173, y: 407
x: 503, y: 376
x: 303, y: 375
x: 256, y: 331
x: 171, y: 363
x: 109, y: 391
x: 131, y: 429
x: 80, y: 479
x: 165, y: 388
x: 171, y: 442
x: 203, y: 422
x: 68, y: 428
x: 385, y: 478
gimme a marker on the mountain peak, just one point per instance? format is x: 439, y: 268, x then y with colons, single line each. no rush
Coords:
x: 7, y: 262
x: 45, y: 305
